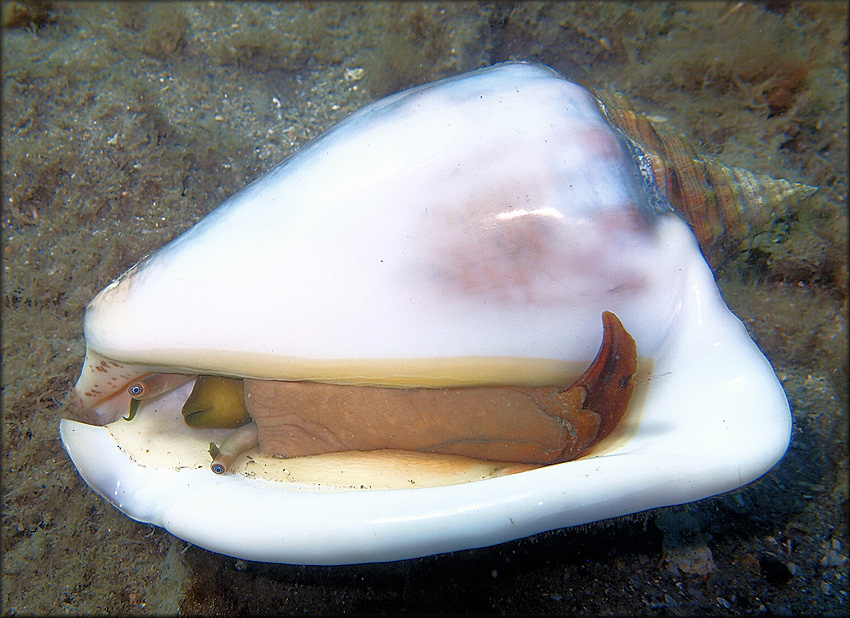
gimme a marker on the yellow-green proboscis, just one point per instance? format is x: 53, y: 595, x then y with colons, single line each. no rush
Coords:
x: 216, y: 402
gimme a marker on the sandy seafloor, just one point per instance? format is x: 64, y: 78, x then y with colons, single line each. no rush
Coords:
x: 123, y: 124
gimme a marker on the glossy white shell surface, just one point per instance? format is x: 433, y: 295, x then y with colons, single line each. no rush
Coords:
x: 493, y: 215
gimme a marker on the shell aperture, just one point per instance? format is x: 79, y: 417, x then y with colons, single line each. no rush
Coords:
x: 541, y: 425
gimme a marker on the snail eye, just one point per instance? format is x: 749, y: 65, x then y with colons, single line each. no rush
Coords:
x: 135, y: 389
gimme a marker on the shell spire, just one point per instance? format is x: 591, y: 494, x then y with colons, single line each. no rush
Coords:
x: 723, y: 205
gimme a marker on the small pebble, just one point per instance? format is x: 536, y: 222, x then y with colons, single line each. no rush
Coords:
x: 738, y: 504
x: 723, y: 602
x: 833, y: 559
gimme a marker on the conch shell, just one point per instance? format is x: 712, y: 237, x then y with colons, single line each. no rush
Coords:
x: 465, y: 234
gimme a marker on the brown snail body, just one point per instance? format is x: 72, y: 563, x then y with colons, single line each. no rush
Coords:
x: 536, y: 425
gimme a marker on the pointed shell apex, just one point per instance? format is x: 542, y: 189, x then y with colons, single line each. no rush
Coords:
x: 724, y: 205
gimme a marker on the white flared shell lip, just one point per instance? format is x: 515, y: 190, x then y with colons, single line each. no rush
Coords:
x: 715, y: 418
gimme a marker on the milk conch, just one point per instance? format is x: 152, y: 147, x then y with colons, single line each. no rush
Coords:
x: 466, y: 234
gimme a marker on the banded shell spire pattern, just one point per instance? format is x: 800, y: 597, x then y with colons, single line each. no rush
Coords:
x: 723, y: 205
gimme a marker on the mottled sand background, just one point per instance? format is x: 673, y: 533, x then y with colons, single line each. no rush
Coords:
x: 124, y: 124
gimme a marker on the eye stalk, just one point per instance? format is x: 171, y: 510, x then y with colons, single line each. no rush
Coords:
x: 152, y: 385
x: 241, y: 440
